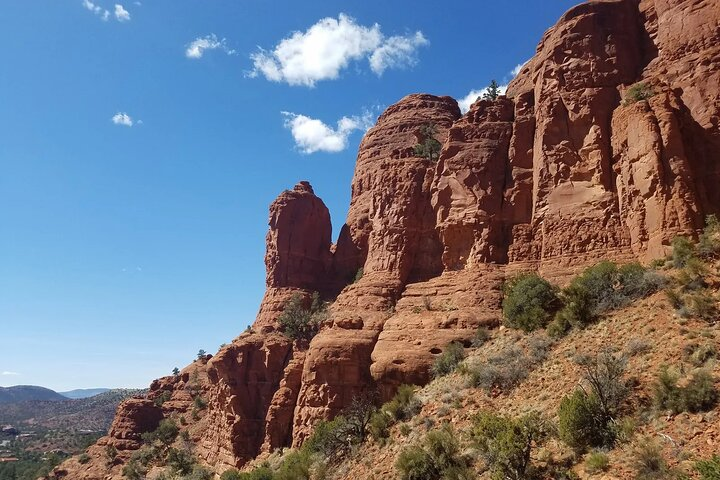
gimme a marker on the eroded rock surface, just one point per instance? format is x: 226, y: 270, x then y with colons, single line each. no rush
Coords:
x: 563, y: 171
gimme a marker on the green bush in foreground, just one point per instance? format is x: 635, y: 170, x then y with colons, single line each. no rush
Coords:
x: 602, y: 288
x: 596, y: 462
x: 649, y: 462
x: 587, y: 417
x: 403, y: 406
x: 709, y: 469
x: 506, y: 443
x: 529, y: 302
x: 448, y: 361
x: 698, y: 395
x: 437, y: 458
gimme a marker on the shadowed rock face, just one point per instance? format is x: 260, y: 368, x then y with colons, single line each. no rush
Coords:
x: 556, y: 175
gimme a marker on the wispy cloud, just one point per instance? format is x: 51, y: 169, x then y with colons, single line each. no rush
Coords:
x: 122, y: 118
x: 473, y: 95
x: 197, y: 47
x: 312, y: 135
x: 9, y: 374
x: 514, y: 72
x: 121, y: 14
x: 329, y: 46
x: 96, y: 9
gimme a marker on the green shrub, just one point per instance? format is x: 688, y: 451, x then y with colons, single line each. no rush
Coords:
x: 529, y: 302
x: 587, y: 417
x: 403, y: 406
x: 638, y: 92
x: 262, y: 472
x: 199, y: 473
x: 330, y: 438
x: 429, y: 147
x: 649, y: 462
x: 163, y: 397
x: 597, y: 462
x: 581, y: 424
x: 703, y: 306
x: 166, y: 432
x: 448, y: 361
x: 602, y: 288
x: 682, y: 251
x: 482, y: 335
x: 437, y: 458
x: 133, y: 470
x: 698, y: 355
x: 698, y: 395
x: 199, y: 403
x: 233, y: 474
x: 503, y: 371
x: 83, y: 458
x: 380, y: 424
x: 709, y: 469
x: 180, y: 461
x: 296, y: 465
x: 414, y: 463
x: 709, y: 242
x: 506, y: 443
x: 507, y: 369
x: 299, y: 322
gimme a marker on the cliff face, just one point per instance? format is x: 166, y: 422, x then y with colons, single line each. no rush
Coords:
x: 560, y: 173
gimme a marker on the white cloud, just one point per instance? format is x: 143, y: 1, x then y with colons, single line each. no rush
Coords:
x: 397, y: 52
x: 122, y: 118
x: 197, y: 47
x: 514, y: 72
x: 328, y: 47
x: 473, y: 95
x: 10, y: 374
x: 121, y: 14
x: 312, y: 135
x: 96, y: 9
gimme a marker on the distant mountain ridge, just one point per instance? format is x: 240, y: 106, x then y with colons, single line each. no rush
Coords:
x: 84, y: 392
x: 22, y: 393
x: 93, y: 413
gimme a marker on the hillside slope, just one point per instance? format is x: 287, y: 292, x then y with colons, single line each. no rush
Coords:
x: 22, y: 393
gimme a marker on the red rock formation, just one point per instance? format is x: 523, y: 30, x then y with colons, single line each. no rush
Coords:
x: 559, y: 174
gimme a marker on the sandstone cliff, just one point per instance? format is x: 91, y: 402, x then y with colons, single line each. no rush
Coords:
x: 561, y: 172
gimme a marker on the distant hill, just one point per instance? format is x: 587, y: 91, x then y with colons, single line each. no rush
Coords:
x: 84, y: 392
x: 22, y: 393
x: 89, y: 414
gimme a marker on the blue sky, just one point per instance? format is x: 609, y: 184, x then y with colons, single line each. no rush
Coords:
x: 141, y: 144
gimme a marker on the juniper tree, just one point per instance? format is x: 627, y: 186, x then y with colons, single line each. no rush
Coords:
x: 493, y: 91
x: 430, y: 146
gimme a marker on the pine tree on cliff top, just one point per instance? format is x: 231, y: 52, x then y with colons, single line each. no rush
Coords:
x: 493, y: 91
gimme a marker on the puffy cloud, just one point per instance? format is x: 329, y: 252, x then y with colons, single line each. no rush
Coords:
x: 312, y: 135
x: 197, y: 47
x: 121, y: 14
x: 397, y: 52
x: 473, y: 95
x: 328, y: 47
x: 96, y: 9
x: 123, y: 119
x: 517, y: 69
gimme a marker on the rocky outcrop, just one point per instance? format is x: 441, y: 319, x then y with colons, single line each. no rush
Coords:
x: 563, y: 171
